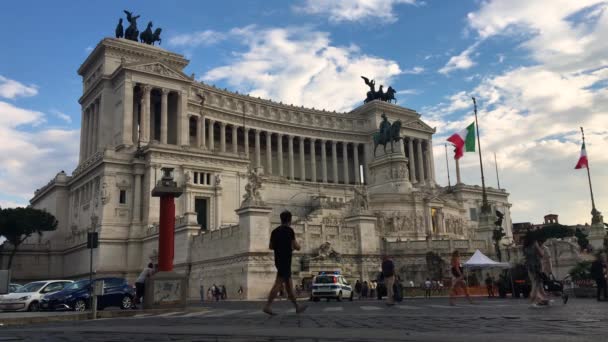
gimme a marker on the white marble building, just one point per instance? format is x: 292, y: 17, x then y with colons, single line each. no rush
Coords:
x: 311, y: 161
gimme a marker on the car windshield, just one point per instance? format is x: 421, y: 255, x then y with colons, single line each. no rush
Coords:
x: 78, y: 285
x: 324, y: 280
x: 31, y: 287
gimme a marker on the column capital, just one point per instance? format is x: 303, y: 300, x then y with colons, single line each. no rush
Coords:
x: 257, y: 131
x: 222, y: 124
x: 247, y: 129
x: 290, y: 137
x: 334, y: 143
x: 280, y: 135
x: 165, y: 91
x: 146, y: 88
x: 211, y: 121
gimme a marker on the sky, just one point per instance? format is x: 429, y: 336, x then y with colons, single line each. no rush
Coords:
x: 538, y: 68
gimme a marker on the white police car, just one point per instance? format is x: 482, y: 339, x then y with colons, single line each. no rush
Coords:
x: 331, y: 285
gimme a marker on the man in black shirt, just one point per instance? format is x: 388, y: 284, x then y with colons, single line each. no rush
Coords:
x: 283, y: 242
x: 388, y: 271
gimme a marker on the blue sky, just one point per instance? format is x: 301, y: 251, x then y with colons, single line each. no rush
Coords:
x: 538, y: 69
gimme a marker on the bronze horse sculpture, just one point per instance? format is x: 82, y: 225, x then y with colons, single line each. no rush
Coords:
x: 150, y: 37
x: 391, y: 135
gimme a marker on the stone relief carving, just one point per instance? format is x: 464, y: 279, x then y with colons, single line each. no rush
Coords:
x: 332, y: 220
x: 326, y: 251
x: 218, y: 180
x: 105, y: 194
x: 360, y: 202
x: 159, y: 69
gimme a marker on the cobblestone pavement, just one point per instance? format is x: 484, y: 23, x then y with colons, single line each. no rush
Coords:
x: 411, y: 320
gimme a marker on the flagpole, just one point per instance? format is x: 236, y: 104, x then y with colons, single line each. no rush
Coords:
x: 447, y: 164
x: 485, y: 206
x: 496, y: 165
x: 594, y: 211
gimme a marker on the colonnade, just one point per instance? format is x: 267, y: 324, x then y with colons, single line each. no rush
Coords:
x: 89, y: 132
x: 420, y: 159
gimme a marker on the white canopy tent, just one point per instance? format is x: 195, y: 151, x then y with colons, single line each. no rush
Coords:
x: 479, y: 260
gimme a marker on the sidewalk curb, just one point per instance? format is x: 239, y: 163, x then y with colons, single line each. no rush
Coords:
x: 87, y: 316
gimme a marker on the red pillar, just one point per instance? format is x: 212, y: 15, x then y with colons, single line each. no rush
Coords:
x: 166, y: 233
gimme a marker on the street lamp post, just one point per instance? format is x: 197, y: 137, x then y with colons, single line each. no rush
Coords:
x: 92, y: 242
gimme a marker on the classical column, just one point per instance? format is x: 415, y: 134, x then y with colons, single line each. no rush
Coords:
x: 411, y: 159
x: 127, y: 114
x: 432, y: 158
x: 83, y: 134
x: 302, y: 161
x: 420, y: 162
x: 91, y: 128
x: 246, y: 137
x: 258, y: 161
x: 334, y: 159
x: 345, y: 161
x: 145, y: 119
x: 268, y: 169
x: 183, y: 136
x: 164, y: 108
x: 427, y: 164
x: 290, y: 152
x: 356, y: 168
x: 96, y: 106
x: 223, y: 136
x: 199, y: 131
x: 203, y: 127
x: 280, y: 153
x: 324, y: 160
x: 313, y: 160
x: 138, y: 172
x: 211, y: 137
x: 458, y: 181
x: 235, y: 142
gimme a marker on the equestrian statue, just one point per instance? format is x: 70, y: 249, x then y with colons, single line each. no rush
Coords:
x: 388, y: 133
x: 149, y: 36
x: 372, y: 94
x: 132, y: 33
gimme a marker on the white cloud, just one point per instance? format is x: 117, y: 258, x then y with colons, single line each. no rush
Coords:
x: 30, y: 156
x: 200, y: 38
x: 461, y: 61
x: 355, y: 10
x: 414, y: 71
x: 318, y: 74
x: 62, y: 116
x: 11, y: 89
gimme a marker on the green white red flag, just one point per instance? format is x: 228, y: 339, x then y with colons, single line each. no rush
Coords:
x: 582, y: 160
x: 463, y: 141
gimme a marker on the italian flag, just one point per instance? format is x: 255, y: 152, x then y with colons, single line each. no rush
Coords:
x: 464, y: 141
x: 582, y: 160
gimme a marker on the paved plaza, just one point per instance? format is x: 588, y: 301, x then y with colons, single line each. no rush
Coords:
x: 411, y: 320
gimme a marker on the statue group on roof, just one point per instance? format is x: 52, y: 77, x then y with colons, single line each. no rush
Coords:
x: 381, y: 95
x: 132, y: 33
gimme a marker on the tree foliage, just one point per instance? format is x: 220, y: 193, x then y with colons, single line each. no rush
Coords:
x: 582, y: 271
x: 18, y: 224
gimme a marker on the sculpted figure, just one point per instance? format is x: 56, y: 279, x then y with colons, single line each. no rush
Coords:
x: 132, y: 32
x: 119, y: 30
x: 252, y: 195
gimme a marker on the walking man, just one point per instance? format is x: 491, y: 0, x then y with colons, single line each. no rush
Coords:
x: 489, y: 285
x: 140, y: 282
x: 598, y: 272
x: 283, y: 242
x: 388, y: 271
x: 427, y: 288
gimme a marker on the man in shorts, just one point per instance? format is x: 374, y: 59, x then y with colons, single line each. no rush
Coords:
x: 283, y: 243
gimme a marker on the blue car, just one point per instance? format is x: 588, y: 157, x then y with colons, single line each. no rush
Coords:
x: 76, y: 296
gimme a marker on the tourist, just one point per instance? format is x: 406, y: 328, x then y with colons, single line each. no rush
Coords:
x: 358, y: 288
x: 599, y: 274
x: 283, y: 243
x: 140, y: 282
x: 365, y: 289
x: 427, y: 288
x: 534, y: 255
x: 215, y: 291
x: 457, y: 278
x: 388, y: 272
x: 201, y: 291
x: 240, y: 292
x: 372, y: 288
x: 489, y: 285
x: 224, y: 293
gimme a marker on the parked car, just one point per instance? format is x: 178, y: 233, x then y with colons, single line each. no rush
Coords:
x: 331, y: 285
x: 117, y: 292
x: 29, y: 295
x: 14, y: 287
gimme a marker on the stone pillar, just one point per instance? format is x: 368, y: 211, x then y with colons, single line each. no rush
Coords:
x: 345, y: 161
x: 420, y: 162
x: 324, y: 160
x: 246, y: 136
x: 411, y: 159
x: 290, y: 153
x: 83, y: 135
x: 90, y: 133
x: 334, y: 159
x: 258, y: 161
x: 211, y: 133
x: 203, y: 127
x: 313, y: 160
x: 218, y: 206
x: 199, y: 131
x: 222, y: 136
x: 280, y: 153
x: 429, y: 161
x: 357, y: 168
x: 235, y: 141
x: 302, y: 161
x: 144, y: 125
x: 95, y: 130
x: 164, y: 109
x: 458, y: 181
x: 432, y: 158
x: 127, y: 114
x: 268, y: 153
x: 183, y: 136
x: 139, y: 167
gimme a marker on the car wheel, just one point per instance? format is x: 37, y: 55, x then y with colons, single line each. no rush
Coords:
x: 80, y: 305
x: 34, y: 306
x: 351, y: 296
x: 126, y: 303
x: 339, y: 298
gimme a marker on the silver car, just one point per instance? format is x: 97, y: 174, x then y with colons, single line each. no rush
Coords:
x: 27, y: 297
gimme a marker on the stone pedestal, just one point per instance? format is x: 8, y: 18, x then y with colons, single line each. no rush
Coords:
x: 596, y: 236
x: 365, y: 226
x: 388, y: 172
x: 485, y: 228
x: 166, y: 290
x: 255, y: 225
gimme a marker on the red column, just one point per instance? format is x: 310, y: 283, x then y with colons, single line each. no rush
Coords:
x: 166, y: 233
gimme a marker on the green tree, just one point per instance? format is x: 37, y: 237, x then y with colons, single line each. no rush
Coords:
x: 18, y: 224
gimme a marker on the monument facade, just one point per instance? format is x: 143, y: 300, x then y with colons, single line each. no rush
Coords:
x: 240, y: 161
